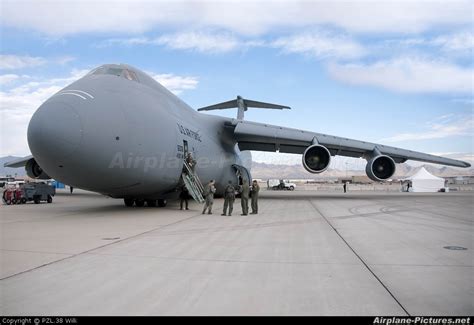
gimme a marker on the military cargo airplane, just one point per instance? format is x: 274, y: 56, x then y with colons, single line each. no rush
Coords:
x: 118, y: 132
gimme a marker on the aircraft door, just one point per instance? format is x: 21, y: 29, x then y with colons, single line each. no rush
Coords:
x: 185, y: 148
x: 243, y: 174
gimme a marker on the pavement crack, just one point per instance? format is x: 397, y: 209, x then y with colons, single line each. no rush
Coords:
x: 223, y: 260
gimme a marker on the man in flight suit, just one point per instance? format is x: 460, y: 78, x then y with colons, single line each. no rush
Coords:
x: 244, y: 197
x: 229, y: 198
x: 184, y: 197
x: 208, y: 194
x: 191, y: 162
x: 255, y: 190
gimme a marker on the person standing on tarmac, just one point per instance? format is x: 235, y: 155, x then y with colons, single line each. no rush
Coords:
x: 229, y: 198
x: 184, y: 196
x: 208, y: 194
x: 255, y: 190
x: 244, y: 197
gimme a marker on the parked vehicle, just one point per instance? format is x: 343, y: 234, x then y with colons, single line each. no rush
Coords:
x: 13, y: 195
x: 280, y: 184
x: 35, y: 192
x: 38, y: 192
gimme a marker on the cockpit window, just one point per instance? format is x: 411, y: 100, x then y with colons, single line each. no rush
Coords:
x: 117, y: 71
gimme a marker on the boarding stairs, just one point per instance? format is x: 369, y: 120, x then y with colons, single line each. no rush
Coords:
x: 192, y: 183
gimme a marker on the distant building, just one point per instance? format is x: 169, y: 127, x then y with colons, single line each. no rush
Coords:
x: 343, y: 180
x: 361, y: 180
x: 460, y: 180
x: 6, y: 179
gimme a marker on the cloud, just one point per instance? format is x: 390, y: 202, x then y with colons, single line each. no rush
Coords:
x: 212, y: 42
x: 408, y: 75
x: 199, y: 41
x: 322, y: 45
x: 176, y: 84
x: 442, y: 127
x: 8, y: 78
x: 459, y: 43
x: 126, y: 42
x: 64, y: 60
x: 56, y: 18
x: 15, y: 62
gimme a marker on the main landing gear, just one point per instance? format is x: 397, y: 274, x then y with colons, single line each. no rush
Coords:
x: 130, y: 202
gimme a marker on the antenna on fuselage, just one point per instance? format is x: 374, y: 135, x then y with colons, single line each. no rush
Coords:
x: 242, y: 105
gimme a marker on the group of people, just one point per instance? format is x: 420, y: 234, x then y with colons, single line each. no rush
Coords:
x: 230, y: 192
x: 246, y: 191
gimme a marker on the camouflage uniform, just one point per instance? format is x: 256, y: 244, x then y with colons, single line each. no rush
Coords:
x: 255, y: 190
x: 244, y: 199
x: 229, y: 198
x: 191, y: 162
x: 184, y: 197
x: 209, y: 191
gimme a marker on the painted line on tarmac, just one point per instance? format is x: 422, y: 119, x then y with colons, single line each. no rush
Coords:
x: 359, y: 257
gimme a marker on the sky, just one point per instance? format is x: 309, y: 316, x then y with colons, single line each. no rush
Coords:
x: 399, y: 73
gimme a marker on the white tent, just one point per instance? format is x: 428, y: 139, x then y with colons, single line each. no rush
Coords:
x: 423, y: 181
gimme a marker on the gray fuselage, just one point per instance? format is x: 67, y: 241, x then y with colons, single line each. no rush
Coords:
x: 128, y: 138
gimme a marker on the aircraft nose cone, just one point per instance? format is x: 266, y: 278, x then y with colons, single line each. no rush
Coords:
x: 55, y: 131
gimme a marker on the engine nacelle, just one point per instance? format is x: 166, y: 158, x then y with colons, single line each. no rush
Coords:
x: 316, y: 158
x: 33, y: 170
x: 380, y: 168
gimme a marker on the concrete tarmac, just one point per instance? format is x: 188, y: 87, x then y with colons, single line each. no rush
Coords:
x: 305, y: 253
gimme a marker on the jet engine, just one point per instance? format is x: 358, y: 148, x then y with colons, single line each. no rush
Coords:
x: 380, y: 168
x: 34, y: 170
x: 316, y: 158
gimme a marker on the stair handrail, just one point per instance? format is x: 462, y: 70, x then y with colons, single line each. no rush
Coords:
x: 195, y: 176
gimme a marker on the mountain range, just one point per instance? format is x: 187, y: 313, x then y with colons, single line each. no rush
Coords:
x: 270, y: 171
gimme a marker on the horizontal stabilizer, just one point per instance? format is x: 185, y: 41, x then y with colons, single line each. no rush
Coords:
x: 253, y: 103
x: 242, y: 104
x: 224, y: 105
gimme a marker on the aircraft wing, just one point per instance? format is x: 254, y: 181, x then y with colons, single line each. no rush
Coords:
x: 265, y: 137
x: 20, y: 162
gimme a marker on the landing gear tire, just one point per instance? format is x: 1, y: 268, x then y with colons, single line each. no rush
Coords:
x: 151, y: 203
x: 162, y: 203
x: 129, y: 202
x: 139, y: 202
